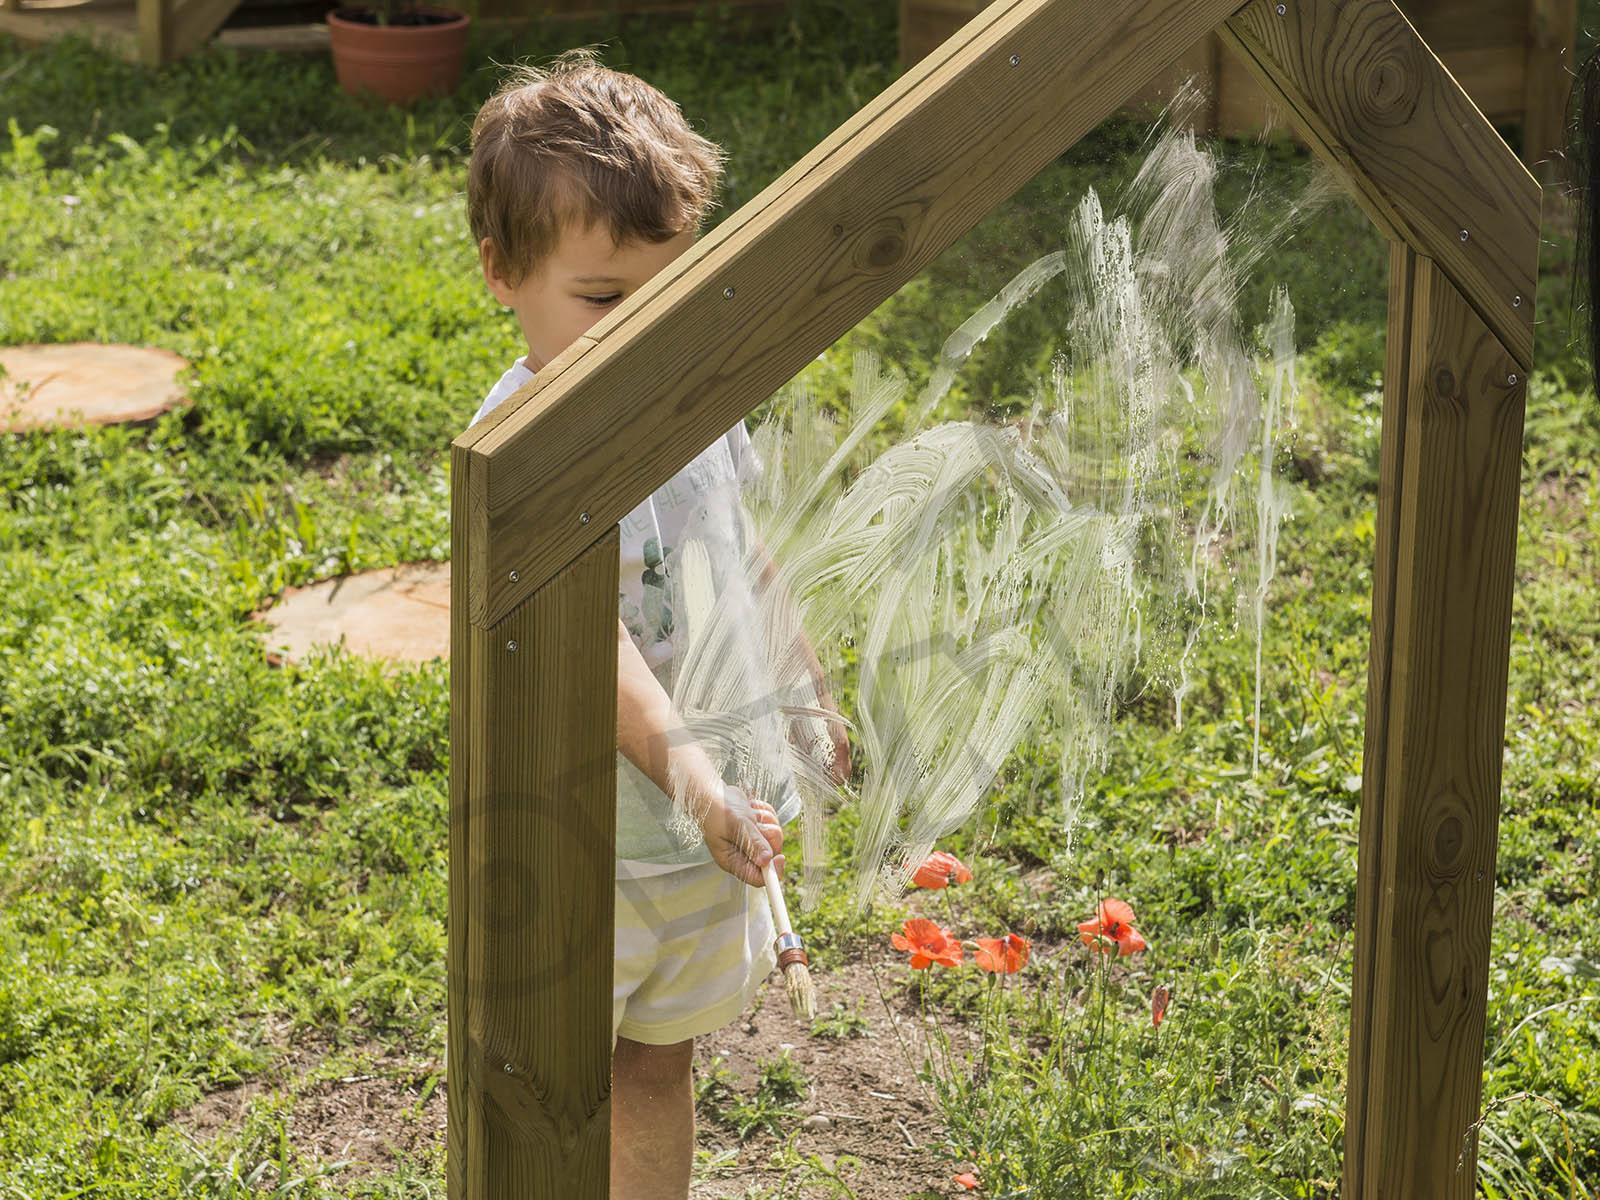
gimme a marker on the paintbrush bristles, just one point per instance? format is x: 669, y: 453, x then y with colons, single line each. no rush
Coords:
x: 802, y: 992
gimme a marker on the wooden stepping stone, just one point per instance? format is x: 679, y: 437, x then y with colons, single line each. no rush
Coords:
x: 401, y: 614
x: 73, y: 384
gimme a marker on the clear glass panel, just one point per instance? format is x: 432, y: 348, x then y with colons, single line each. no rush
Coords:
x: 1031, y: 514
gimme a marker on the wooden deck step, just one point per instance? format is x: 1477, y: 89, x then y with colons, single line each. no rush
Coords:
x: 113, y: 24
x: 148, y: 31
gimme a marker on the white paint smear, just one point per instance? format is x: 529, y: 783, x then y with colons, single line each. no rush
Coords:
x: 996, y: 583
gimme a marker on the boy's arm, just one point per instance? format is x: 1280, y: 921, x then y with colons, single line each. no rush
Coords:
x: 741, y: 837
x: 841, y: 742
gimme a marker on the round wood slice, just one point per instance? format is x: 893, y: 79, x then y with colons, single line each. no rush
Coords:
x: 399, y: 613
x: 73, y: 384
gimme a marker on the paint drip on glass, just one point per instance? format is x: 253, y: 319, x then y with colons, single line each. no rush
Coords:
x: 993, y: 583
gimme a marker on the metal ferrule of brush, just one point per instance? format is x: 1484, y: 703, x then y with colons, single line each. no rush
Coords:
x: 791, y: 950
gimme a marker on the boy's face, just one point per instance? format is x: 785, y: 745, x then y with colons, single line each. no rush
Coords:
x: 583, y: 279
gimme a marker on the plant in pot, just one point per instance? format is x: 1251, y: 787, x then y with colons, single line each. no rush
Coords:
x: 399, y: 50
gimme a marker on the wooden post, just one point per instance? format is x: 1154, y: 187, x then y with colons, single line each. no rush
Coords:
x: 155, y: 19
x: 1441, y: 635
x: 533, y: 737
x: 1552, y: 30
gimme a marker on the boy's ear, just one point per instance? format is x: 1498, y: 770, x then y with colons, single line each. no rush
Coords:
x: 499, y: 287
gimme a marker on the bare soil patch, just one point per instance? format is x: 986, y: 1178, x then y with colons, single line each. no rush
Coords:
x: 374, y: 1108
x: 877, y: 1110
x: 364, y: 1105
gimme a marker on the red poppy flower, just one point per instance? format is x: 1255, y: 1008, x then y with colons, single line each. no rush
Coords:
x: 940, y: 869
x: 1002, y: 955
x: 967, y: 1180
x: 1113, y: 927
x: 928, y: 944
x: 1158, y: 1003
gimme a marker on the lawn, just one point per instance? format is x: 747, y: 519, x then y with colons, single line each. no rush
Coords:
x: 223, y: 883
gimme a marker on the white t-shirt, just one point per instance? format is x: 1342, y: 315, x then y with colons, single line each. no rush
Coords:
x: 704, y: 497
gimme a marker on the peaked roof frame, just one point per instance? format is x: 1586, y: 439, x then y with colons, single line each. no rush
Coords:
x: 539, y: 485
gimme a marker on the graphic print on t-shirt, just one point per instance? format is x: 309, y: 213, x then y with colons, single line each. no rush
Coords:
x: 655, y: 587
x: 698, y: 504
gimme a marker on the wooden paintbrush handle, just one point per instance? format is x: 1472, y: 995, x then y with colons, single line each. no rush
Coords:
x: 780, y: 911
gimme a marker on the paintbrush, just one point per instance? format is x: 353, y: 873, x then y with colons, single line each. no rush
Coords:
x: 791, y: 950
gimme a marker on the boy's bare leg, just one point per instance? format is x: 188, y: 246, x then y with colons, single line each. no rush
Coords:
x: 652, y: 1120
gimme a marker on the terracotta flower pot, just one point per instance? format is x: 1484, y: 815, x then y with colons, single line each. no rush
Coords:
x: 399, y: 63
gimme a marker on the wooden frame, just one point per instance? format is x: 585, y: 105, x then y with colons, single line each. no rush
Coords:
x: 539, y: 485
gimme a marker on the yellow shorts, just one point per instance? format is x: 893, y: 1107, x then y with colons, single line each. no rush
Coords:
x: 693, y: 947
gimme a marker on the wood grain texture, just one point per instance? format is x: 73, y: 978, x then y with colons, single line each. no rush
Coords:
x: 532, y: 869
x: 862, y: 214
x: 1435, y: 737
x: 1364, y: 89
x: 477, y: 504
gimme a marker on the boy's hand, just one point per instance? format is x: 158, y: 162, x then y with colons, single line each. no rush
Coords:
x: 742, y: 833
x: 839, y: 768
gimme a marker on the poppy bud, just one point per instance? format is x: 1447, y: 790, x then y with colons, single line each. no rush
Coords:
x: 1158, y: 1004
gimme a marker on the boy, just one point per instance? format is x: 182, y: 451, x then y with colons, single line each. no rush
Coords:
x: 583, y: 183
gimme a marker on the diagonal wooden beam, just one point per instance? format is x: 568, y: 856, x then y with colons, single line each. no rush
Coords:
x: 1365, y: 91
x: 786, y: 276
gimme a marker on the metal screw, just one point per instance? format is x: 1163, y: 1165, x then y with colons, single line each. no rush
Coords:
x: 1282, y: 8
x: 511, y: 646
x: 1480, y: 874
x: 509, y: 1069
x: 1464, y: 235
x: 727, y: 293
x: 515, y: 577
x: 1511, y: 379
x: 583, y: 518
x: 1516, y: 302
x: 1016, y: 59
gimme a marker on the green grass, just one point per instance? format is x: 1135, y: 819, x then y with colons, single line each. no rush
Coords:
x: 192, y: 842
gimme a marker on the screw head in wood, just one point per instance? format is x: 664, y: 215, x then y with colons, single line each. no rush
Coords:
x: 583, y: 518
x: 1516, y: 302
x: 511, y: 648
x: 515, y: 577
x: 1512, y: 379
x: 1016, y: 60
x: 510, y: 1070
x: 727, y: 293
x: 1282, y: 9
x: 1463, y: 235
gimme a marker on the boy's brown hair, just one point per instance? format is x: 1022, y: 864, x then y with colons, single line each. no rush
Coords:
x: 579, y: 142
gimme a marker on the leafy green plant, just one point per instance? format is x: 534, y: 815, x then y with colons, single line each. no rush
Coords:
x: 780, y: 1085
x: 840, y: 1022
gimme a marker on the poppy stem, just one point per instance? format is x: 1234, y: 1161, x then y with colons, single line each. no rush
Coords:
x: 988, y: 1004
x: 895, y: 1026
